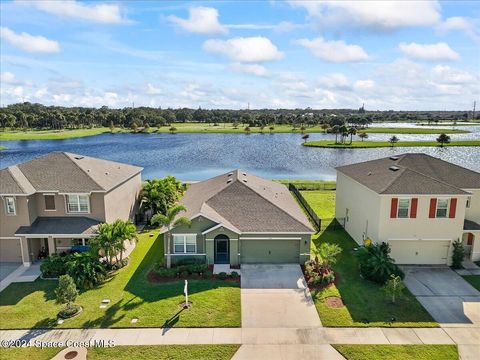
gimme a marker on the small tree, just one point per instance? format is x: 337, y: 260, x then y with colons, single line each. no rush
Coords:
x: 66, y: 291
x: 112, y: 127
x: 394, y: 287
x: 326, y: 256
x: 443, y: 139
x: 271, y: 128
x: 305, y: 138
x: 363, y: 135
x: 393, y: 140
x: 247, y: 130
x: 172, y: 129
x: 458, y: 254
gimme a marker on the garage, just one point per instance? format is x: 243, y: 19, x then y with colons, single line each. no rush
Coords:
x: 269, y: 251
x: 420, y: 252
x: 10, y: 250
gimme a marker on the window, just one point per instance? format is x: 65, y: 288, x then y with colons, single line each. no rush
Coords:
x: 184, y: 243
x: 469, y: 201
x: 49, y: 202
x: 403, y: 208
x: 442, y: 208
x: 10, y: 205
x: 78, y: 203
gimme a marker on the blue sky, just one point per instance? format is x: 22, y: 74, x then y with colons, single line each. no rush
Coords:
x: 272, y: 54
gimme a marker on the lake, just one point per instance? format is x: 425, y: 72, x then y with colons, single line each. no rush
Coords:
x: 200, y: 156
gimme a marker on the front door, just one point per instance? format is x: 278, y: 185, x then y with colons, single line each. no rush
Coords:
x: 222, y: 250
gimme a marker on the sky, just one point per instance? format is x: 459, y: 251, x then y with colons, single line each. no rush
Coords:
x: 404, y: 55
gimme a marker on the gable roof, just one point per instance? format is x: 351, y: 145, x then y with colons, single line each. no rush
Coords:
x: 413, y: 174
x: 64, y: 172
x: 246, y: 203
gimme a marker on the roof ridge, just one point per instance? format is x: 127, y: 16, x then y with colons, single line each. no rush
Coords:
x: 15, y: 175
x: 79, y: 167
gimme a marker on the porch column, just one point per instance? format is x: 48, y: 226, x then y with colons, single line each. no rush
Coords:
x: 51, y: 245
x: 83, y: 242
x: 24, y: 249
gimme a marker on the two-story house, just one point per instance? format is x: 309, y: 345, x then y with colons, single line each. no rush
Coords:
x: 417, y: 203
x: 56, y: 201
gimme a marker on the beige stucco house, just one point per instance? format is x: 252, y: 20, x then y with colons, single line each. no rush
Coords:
x: 417, y: 203
x: 239, y: 218
x: 56, y: 201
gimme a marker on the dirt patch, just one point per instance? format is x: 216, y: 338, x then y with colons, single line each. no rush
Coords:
x: 334, y: 302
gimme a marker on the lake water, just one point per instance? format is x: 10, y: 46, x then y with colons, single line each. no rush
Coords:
x: 200, y: 156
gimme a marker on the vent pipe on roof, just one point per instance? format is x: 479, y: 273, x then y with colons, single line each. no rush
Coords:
x: 394, y: 158
x: 394, y: 168
x: 229, y: 181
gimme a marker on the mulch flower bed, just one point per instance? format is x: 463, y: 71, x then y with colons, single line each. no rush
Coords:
x: 319, y: 286
x: 334, y: 302
x: 154, y: 278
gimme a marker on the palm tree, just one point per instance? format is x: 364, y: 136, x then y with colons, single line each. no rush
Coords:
x: 104, y: 241
x: 123, y: 230
x: 363, y: 135
x: 343, y: 132
x: 336, y: 130
x: 305, y: 138
x: 169, y: 222
x: 326, y: 256
x: 247, y: 130
x: 352, y: 131
x: 443, y: 139
x: 393, y: 140
x: 324, y: 126
x: 271, y: 128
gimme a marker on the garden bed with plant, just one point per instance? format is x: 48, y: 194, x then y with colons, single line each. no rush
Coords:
x: 192, y: 271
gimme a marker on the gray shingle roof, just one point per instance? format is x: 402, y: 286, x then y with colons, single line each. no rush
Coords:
x: 246, y: 203
x: 79, y: 225
x: 414, y: 174
x: 470, y: 225
x: 65, y: 172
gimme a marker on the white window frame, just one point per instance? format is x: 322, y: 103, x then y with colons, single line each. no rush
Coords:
x: 54, y: 202
x: 446, y: 209
x: 78, y: 202
x: 7, y: 210
x: 408, y: 208
x: 184, y: 243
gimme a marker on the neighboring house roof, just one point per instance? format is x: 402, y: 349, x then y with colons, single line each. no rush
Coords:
x: 471, y: 225
x: 413, y: 174
x: 78, y: 225
x: 246, y: 203
x: 65, y: 172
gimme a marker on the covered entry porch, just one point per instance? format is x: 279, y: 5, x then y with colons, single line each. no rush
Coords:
x: 471, y: 240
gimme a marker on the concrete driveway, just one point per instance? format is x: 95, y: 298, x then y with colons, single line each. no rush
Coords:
x: 447, y: 297
x: 276, y: 296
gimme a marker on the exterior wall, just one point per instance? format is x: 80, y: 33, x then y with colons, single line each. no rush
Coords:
x: 122, y: 202
x: 233, y: 245
x: 10, y: 223
x: 473, y: 212
x: 474, y: 249
x: 363, y: 207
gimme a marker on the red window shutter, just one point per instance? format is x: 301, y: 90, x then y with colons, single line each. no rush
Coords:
x: 453, y: 208
x: 433, y: 208
x: 470, y: 239
x: 413, y: 208
x: 393, y: 208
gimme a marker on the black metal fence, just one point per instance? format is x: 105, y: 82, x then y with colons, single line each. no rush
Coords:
x: 317, y: 222
x: 314, y: 186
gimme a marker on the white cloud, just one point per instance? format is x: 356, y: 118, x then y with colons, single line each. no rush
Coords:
x: 334, y: 51
x: 106, y: 13
x: 202, y: 20
x: 244, y: 49
x: 429, y: 52
x: 364, y: 84
x: 30, y: 43
x: 8, y: 78
x: 335, y: 81
x: 464, y: 24
x: 253, y: 69
x: 374, y: 14
x: 152, y: 90
x: 448, y: 75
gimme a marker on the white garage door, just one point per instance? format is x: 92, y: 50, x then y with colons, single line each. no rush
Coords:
x: 420, y: 252
x: 10, y: 250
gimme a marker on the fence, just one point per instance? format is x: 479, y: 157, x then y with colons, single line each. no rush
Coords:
x: 313, y: 216
x: 314, y: 186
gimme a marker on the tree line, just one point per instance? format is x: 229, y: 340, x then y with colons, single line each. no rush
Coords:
x: 37, y: 116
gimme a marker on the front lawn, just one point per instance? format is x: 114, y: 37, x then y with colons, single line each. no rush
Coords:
x: 474, y: 280
x: 159, y: 352
x: 365, y: 302
x: 398, y: 352
x: 215, y: 303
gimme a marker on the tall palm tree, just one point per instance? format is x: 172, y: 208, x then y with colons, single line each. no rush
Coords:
x: 103, y: 241
x: 343, y: 132
x: 336, y: 130
x: 352, y: 131
x: 168, y: 220
x: 123, y: 230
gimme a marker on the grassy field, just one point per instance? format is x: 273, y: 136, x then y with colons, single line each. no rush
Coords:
x: 159, y: 352
x: 379, y: 144
x: 365, y: 302
x: 398, y: 352
x: 412, y: 130
x: 51, y: 134
x: 215, y: 303
x: 474, y: 280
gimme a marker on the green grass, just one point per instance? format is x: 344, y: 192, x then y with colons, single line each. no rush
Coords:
x: 474, y: 280
x: 159, y: 352
x: 215, y: 303
x: 365, y: 302
x: 398, y: 352
x: 414, y: 130
x: 378, y: 144
x: 51, y: 134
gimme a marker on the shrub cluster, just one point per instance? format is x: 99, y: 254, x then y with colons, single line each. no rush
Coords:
x: 314, y: 277
x: 199, y: 270
x: 376, y: 264
x: 54, y: 266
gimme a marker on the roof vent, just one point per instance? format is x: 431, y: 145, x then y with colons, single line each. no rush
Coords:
x: 369, y: 173
x: 79, y: 157
x: 244, y: 174
x: 229, y: 181
x: 394, y: 158
x: 106, y: 173
x: 244, y: 180
x: 230, y: 174
x: 394, y: 168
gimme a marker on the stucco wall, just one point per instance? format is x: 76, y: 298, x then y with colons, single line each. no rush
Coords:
x: 10, y: 223
x: 363, y: 208
x: 473, y: 213
x: 122, y: 202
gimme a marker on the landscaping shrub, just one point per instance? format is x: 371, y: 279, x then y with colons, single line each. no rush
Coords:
x: 54, y: 266
x: 394, y: 288
x: 376, y: 264
x: 184, y: 274
x: 207, y: 274
x: 458, y: 254
x: 234, y: 275
x: 87, y: 270
x: 66, y: 293
x: 222, y: 275
x: 166, y: 273
x: 315, y: 277
x: 190, y: 261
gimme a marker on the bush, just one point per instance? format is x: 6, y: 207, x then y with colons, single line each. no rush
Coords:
x: 222, y: 275
x: 54, y: 266
x: 184, y: 274
x: 207, y: 274
x: 190, y: 261
x: 458, y: 254
x: 234, y: 275
x: 69, y: 311
x: 87, y: 270
x: 166, y: 273
x: 394, y: 288
x: 376, y: 264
